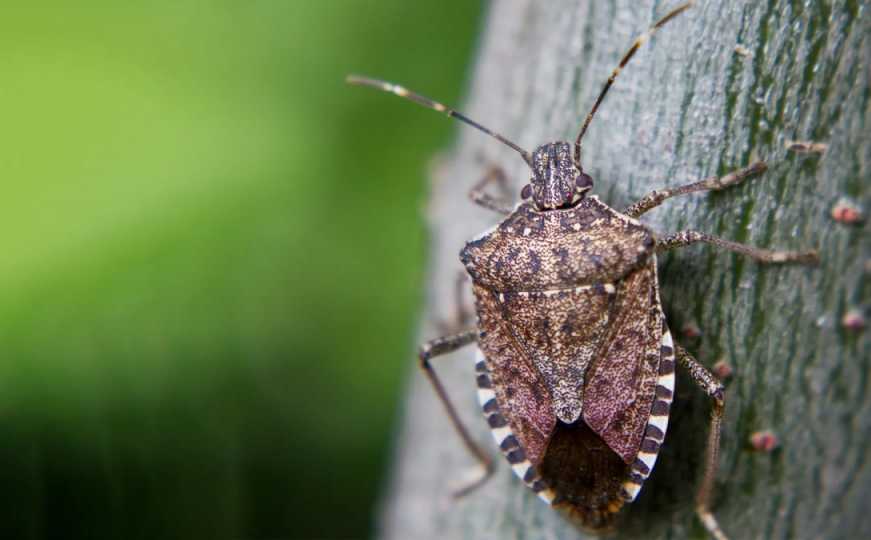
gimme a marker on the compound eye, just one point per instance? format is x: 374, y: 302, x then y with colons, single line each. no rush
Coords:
x: 584, y: 181
x: 526, y: 192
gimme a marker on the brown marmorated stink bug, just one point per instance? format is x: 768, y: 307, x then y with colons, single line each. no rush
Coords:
x: 576, y: 364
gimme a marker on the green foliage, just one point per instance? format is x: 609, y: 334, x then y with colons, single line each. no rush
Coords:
x: 212, y: 260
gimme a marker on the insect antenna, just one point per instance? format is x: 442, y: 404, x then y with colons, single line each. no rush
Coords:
x: 626, y: 57
x: 434, y: 105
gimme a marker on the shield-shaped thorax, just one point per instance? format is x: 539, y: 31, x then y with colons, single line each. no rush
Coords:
x: 533, y: 251
x: 545, y: 284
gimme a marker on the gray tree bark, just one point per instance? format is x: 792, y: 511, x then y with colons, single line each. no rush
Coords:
x: 686, y: 107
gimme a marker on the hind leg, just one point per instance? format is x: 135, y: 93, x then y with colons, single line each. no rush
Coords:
x: 706, y: 380
x: 438, y: 347
x: 686, y: 238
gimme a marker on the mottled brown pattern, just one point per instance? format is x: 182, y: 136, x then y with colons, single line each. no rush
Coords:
x: 539, y: 332
x: 560, y: 333
x: 548, y: 287
x: 621, y: 382
x: 520, y: 390
x: 535, y: 251
x: 511, y: 447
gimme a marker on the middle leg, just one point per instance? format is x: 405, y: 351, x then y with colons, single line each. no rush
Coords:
x: 462, y: 313
x: 686, y: 238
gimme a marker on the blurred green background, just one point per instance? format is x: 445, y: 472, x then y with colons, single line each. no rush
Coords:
x: 212, y: 260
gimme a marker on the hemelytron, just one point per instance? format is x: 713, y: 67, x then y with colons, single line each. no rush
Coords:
x: 576, y: 364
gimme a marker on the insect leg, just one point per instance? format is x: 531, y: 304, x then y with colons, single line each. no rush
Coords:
x: 806, y: 147
x: 686, y: 238
x: 714, y: 183
x: 462, y: 314
x: 438, y: 347
x: 714, y: 389
x: 481, y: 198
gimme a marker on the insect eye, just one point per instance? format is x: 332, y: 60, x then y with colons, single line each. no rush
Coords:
x: 526, y: 192
x: 584, y: 181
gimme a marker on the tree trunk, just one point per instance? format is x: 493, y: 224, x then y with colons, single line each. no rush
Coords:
x: 689, y: 105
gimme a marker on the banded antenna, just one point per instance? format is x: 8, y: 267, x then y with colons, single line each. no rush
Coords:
x: 434, y: 105
x: 626, y: 57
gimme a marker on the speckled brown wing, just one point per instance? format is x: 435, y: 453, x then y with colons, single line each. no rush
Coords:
x: 621, y: 382
x: 522, y: 397
x: 546, y: 287
x: 559, y: 331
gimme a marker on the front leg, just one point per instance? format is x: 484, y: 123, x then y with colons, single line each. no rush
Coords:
x: 714, y: 183
x: 494, y: 174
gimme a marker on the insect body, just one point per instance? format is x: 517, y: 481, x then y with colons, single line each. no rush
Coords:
x: 576, y: 358
x: 576, y: 364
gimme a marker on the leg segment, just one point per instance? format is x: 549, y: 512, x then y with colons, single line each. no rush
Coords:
x: 686, y: 238
x: 462, y: 314
x: 714, y: 183
x: 712, y: 387
x: 438, y: 347
x: 482, y: 198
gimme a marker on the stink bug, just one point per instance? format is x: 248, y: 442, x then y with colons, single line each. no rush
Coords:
x: 576, y: 364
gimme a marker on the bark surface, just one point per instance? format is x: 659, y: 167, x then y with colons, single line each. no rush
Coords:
x: 688, y: 106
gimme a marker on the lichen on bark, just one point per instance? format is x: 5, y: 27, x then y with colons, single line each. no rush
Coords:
x: 722, y: 85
